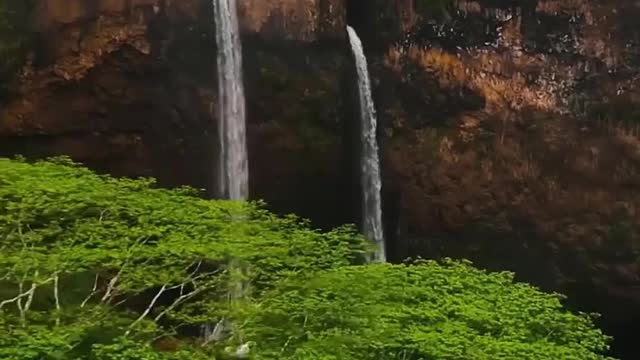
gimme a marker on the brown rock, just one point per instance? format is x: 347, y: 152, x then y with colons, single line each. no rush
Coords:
x: 305, y: 20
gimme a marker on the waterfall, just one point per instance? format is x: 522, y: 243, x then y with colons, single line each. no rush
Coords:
x: 370, y: 163
x: 233, y: 171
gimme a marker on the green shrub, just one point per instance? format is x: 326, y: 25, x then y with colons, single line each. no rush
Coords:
x: 428, y: 310
x: 83, y: 256
x: 97, y: 268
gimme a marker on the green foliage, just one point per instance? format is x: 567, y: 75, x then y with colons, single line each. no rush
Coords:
x: 97, y: 268
x: 88, y: 259
x: 15, y: 35
x: 427, y: 310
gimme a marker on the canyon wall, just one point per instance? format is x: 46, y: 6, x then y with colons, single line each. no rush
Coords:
x: 510, y: 129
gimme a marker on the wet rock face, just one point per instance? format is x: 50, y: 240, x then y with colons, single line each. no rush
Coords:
x: 303, y: 20
x: 516, y: 144
x: 109, y: 85
x: 528, y: 77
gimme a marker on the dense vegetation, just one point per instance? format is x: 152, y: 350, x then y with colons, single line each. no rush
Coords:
x: 93, y: 267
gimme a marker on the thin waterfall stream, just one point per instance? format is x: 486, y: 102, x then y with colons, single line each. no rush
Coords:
x: 233, y: 167
x: 369, y: 159
x: 233, y: 163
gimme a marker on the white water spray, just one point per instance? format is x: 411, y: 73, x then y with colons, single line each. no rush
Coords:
x: 370, y: 163
x: 233, y: 167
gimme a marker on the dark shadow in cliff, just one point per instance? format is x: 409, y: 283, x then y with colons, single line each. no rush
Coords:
x: 297, y: 121
x: 620, y: 315
x: 361, y: 15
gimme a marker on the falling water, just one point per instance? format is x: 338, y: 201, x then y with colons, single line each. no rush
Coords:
x: 233, y: 172
x: 370, y: 164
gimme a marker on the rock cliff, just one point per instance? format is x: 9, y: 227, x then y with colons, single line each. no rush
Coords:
x: 128, y: 87
x: 512, y: 139
x: 510, y: 129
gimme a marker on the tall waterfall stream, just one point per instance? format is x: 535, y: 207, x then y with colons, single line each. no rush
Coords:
x: 369, y: 159
x: 233, y: 167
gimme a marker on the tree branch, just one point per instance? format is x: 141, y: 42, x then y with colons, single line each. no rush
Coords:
x: 18, y: 298
x: 56, y: 281
x: 108, y: 295
x: 7, y: 276
x: 147, y: 310
x: 178, y: 301
x: 24, y: 308
x: 94, y: 290
x: 32, y: 291
x: 112, y: 283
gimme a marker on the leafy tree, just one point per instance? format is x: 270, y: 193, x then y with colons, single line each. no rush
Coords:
x: 97, y: 268
x: 427, y: 310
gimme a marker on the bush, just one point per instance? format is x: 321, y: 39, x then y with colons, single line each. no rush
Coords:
x: 91, y: 265
x: 427, y: 310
